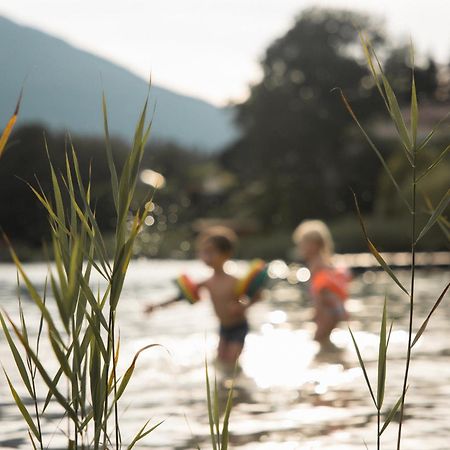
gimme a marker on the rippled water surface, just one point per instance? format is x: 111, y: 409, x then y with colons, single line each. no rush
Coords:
x: 287, y: 396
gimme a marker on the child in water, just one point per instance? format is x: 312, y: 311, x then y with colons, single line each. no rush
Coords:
x: 328, y: 285
x: 215, y: 247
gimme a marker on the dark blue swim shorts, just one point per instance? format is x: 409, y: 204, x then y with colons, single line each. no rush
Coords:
x: 234, y: 333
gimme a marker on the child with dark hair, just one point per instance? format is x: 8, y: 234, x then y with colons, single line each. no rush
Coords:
x: 215, y: 247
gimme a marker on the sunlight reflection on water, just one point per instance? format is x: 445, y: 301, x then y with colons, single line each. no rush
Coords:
x: 288, y: 395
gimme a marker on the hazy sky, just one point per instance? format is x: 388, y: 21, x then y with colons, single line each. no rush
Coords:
x: 210, y: 48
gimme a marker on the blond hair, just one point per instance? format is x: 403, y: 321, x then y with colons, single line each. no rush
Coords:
x: 315, y: 230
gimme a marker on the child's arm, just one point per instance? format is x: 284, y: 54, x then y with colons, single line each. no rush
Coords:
x: 150, y: 308
x: 192, y: 295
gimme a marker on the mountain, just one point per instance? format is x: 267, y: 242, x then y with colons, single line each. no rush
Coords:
x: 63, y: 87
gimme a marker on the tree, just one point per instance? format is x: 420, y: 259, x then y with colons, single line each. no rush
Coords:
x: 295, y: 130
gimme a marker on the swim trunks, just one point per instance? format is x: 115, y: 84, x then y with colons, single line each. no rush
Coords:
x: 234, y: 333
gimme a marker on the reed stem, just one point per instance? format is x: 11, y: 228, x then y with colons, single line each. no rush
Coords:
x: 411, y: 300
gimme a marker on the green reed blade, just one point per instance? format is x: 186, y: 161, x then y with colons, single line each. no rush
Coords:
x: 17, y: 358
x: 440, y: 208
x: 397, y: 117
x: 98, y: 240
x: 10, y: 125
x: 109, y: 156
x: 414, y: 112
x: 216, y: 410
x: 23, y: 410
x: 96, y: 333
x: 115, y: 363
x: 437, y: 161
x: 71, y: 190
x: 382, y: 351
x: 48, y: 381
x: 129, y: 372
x: 391, y: 414
x: 43, y: 200
x: 377, y: 152
x: 32, y: 291
x: 368, y: 49
x: 429, y: 136
x: 210, y: 408
x: 433, y: 309
x: 374, y: 251
x: 32, y: 440
x: 226, y: 418
x: 142, y: 433
x: 363, y: 367
x: 61, y: 356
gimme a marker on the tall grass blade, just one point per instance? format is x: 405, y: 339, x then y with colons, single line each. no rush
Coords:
x: 440, y: 208
x: 17, y: 358
x: 429, y: 136
x: 397, y: 117
x: 32, y: 440
x: 391, y: 414
x: 32, y: 291
x: 433, y: 309
x: 10, y: 125
x: 142, y: 433
x: 109, y: 156
x: 382, y: 360
x: 375, y: 252
x: 226, y: 419
x: 377, y: 152
x: 434, y: 164
x: 216, y: 410
x: 367, y: 49
x: 210, y: 408
x: 414, y: 112
x: 23, y: 410
x: 363, y: 367
x: 129, y: 372
x: 48, y: 381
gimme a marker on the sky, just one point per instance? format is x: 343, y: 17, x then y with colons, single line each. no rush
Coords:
x: 210, y: 48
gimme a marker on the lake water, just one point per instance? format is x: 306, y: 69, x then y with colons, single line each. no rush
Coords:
x: 288, y: 396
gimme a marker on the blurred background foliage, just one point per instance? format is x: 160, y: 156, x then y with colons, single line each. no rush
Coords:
x: 298, y: 154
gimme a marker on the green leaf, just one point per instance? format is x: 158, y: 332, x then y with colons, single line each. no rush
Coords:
x: 375, y: 252
x: 210, y: 408
x: 48, y: 381
x: 434, y: 164
x: 363, y: 367
x: 440, y: 208
x: 33, y: 292
x: 109, y: 156
x: 142, y: 433
x: 377, y: 152
x: 414, y: 112
x: 226, y: 419
x: 382, y: 351
x: 129, y: 372
x: 391, y: 414
x: 23, y: 410
x: 427, y: 139
x: 17, y: 358
x: 433, y: 309
x: 397, y: 117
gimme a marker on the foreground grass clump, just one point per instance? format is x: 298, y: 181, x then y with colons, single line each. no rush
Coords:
x: 412, y: 151
x: 83, y: 337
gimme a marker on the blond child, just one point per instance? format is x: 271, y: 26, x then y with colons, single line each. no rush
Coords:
x: 328, y: 285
